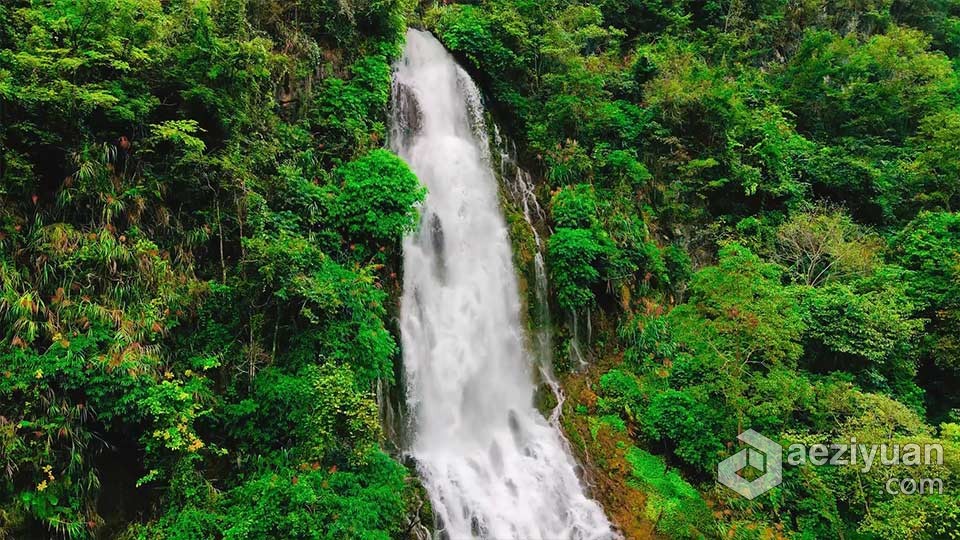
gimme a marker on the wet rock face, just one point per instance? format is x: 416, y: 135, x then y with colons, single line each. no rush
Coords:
x: 436, y: 239
x: 421, y: 523
x: 436, y: 232
x: 407, y: 114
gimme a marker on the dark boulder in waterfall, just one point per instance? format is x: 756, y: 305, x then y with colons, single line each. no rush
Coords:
x: 436, y: 240
x: 407, y: 114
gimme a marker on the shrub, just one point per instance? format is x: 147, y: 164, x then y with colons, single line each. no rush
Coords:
x: 377, y: 197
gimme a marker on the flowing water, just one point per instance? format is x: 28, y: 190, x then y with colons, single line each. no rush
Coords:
x: 493, y: 466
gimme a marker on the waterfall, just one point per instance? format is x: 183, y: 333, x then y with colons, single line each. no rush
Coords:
x: 493, y: 466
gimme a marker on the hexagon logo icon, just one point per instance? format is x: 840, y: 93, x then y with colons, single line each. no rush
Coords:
x: 764, y: 455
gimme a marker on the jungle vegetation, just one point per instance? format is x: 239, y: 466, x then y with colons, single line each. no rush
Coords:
x: 198, y: 234
x: 756, y: 202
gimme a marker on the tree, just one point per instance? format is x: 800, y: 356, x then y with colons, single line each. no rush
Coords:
x: 928, y: 249
x: 823, y: 244
x: 938, y: 161
x: 687, y: 425
x: 738, y: 312
x: 377, y: 196
x: 880, y: 87
x: 867, y: 330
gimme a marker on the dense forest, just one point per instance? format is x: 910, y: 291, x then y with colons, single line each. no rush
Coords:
x: 751, y: 222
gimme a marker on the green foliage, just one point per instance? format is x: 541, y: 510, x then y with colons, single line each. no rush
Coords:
x: 345, y: 116
x: 316, y: 414
x: 199, y: 239
x: 322, y: 504
x: 280, y: 501
x: 377, y: 197
x: 936, y: 166
x: 929, y: 251
x: 194, y: 226
x: 880, y: 88
x: 343, y: 308
x: 574, y: 207
x: 676, y: 508
x: 576, y: 258
x: 678, y: 265
x: 620, y: 394
x: 739, y: 312
x: 865, y: 331
x: 823, y: 244
x: 648, y: 341
x: 679, y: 420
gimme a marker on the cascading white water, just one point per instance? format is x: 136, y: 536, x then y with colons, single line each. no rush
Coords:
x: 494, y: 468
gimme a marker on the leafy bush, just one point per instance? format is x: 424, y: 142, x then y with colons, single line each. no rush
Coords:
x: 377, y: 197
x: 620, y: 394
x: 576, y: 258
x: 574, y: 207
x: 678, y: 419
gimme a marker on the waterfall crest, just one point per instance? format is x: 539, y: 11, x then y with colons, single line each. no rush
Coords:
x: 493, y: 466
